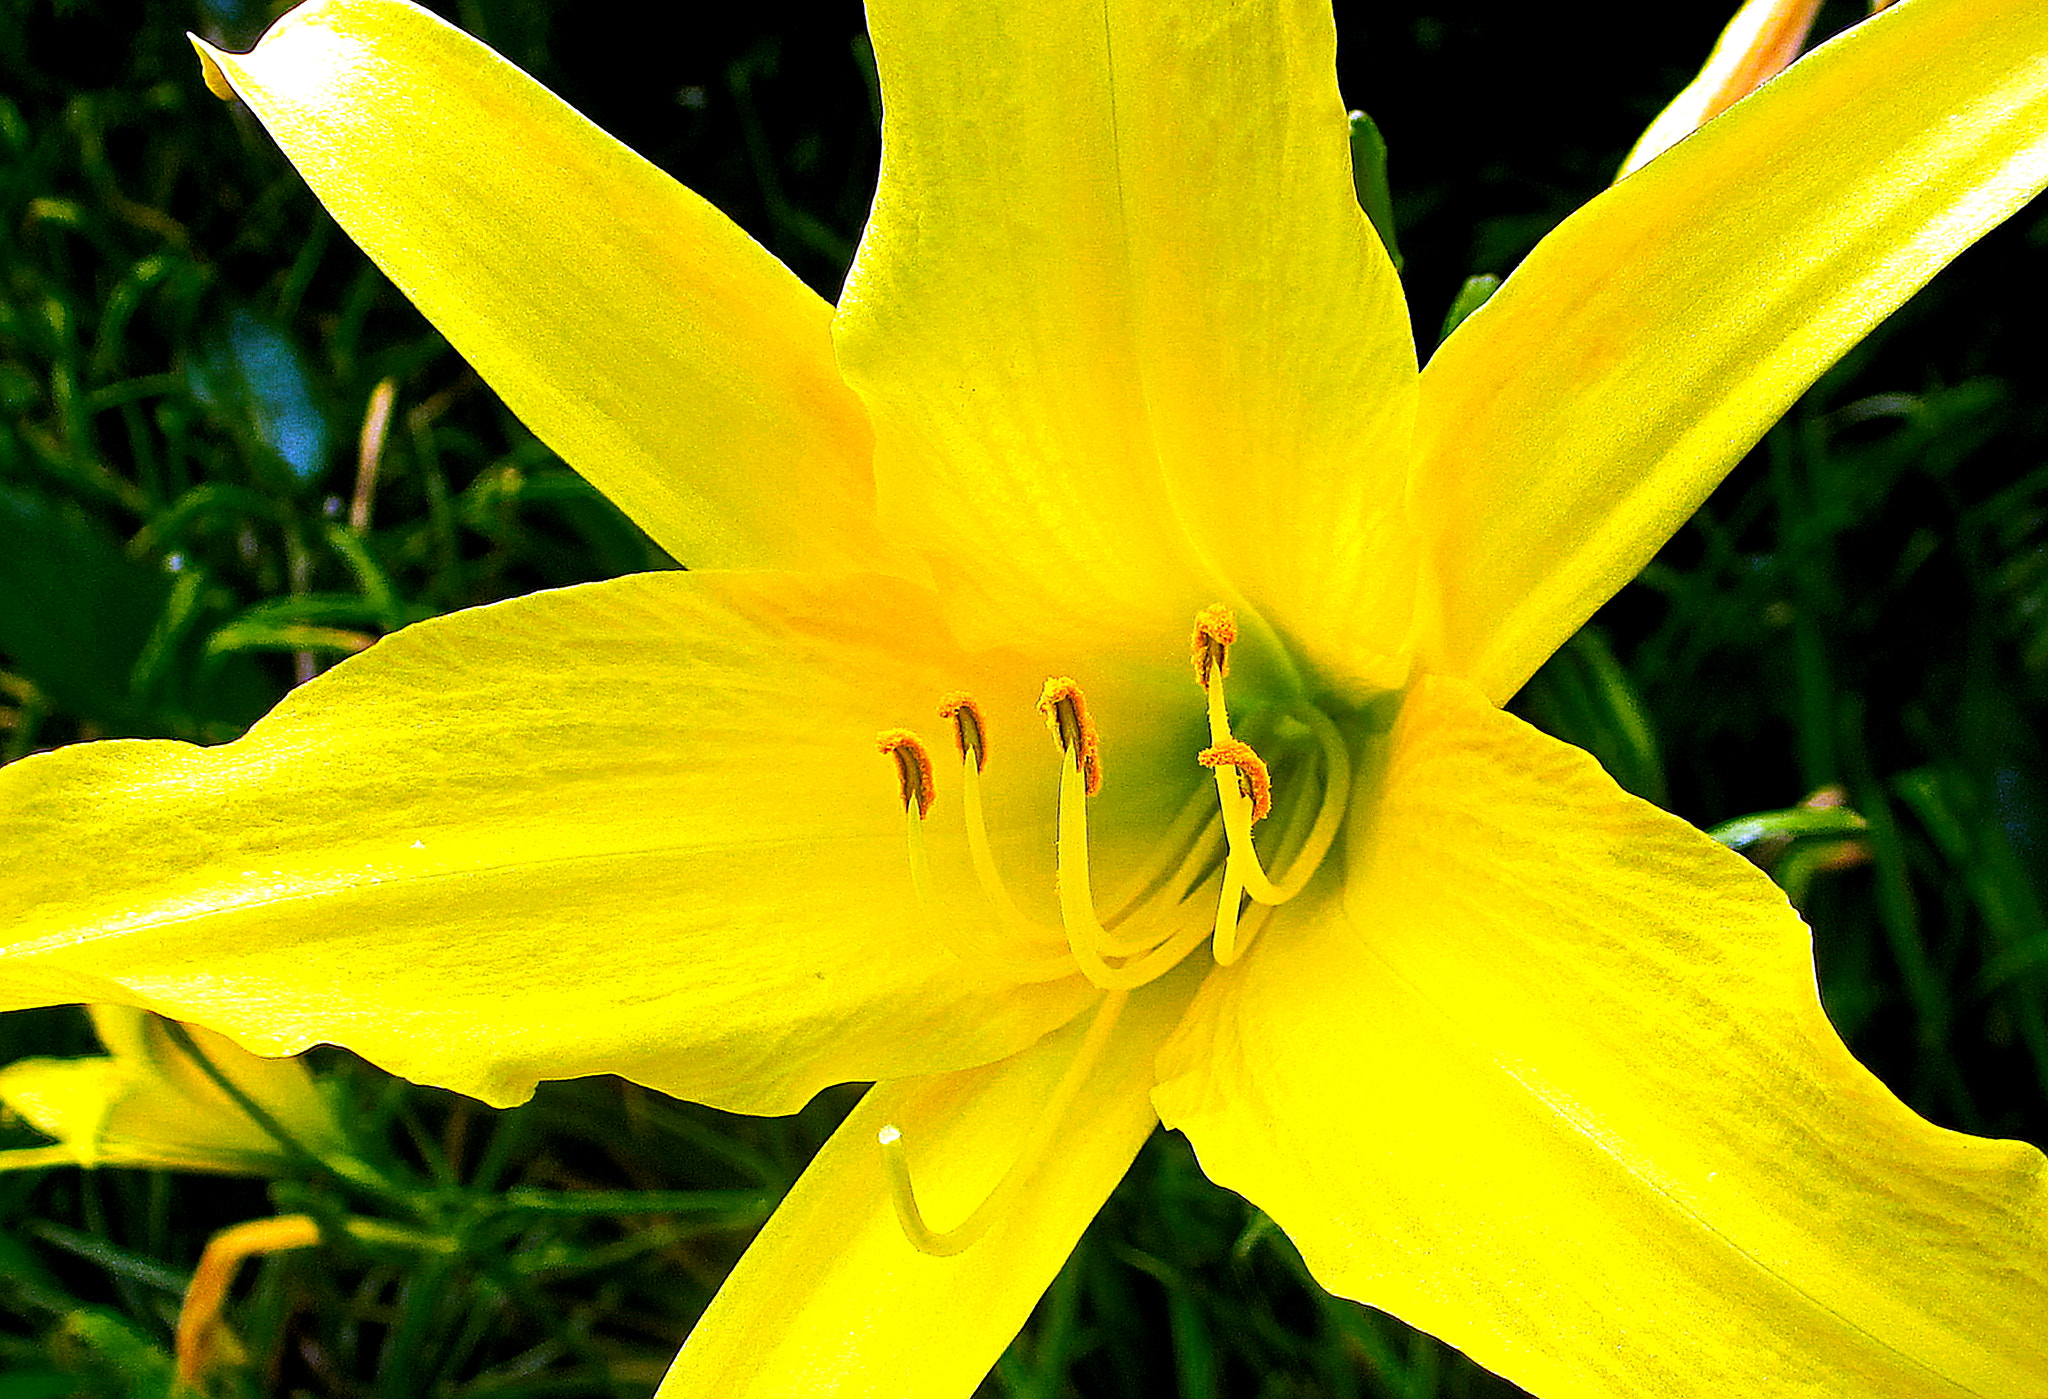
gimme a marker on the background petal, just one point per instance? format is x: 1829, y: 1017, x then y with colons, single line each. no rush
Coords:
x: 832, y: 1299
x: 1570, y: 426
x: 1764, y: 38
x: 1120, y: 322
x: 1551, y: 1080
x: 639, y: 827
x: 666, y: 355
x: 146, y: 1103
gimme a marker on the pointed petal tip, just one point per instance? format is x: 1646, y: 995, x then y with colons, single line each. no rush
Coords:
x: 209, y: 67
x: 537, y: 237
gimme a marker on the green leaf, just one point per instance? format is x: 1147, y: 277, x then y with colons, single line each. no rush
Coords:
x: 1369, y: 178
x: 38, y: 1384
x: 1471, y: 296
x: 1793, y: 823
x: 75, y: 610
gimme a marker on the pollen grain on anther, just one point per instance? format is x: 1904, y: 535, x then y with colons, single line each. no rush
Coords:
x: 970, y: 730
x: 1256, y: 782
x: 1215, y: 634
x: 913, y: 767
x: 1066, y: 714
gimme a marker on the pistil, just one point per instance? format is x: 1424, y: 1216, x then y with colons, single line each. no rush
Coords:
x: 1037, y: 1144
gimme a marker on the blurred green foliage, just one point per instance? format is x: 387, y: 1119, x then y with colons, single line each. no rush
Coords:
x: 1844, y: 657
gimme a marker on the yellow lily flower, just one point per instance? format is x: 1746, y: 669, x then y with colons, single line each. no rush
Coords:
x: 1506, y: 1051
x: 160, y: 1101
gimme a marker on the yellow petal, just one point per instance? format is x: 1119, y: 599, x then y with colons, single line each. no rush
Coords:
x: 1573, y: 423
x: 182, y: 1085
x: 63, y: 1098
x: 1551, y: 1080
x: 662, y: 352
x: 1120, y: 322
x: 832, y: 1299
x: 638, y: 827
x: 148, y: 1104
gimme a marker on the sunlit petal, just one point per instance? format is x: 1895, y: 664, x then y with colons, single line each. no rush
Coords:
x: 1570, y: 426
x: 637, y: 827
x: 1551, y: 1081
x: 1120, y: 322
x: 641, y: 334
x: 832, y: 1299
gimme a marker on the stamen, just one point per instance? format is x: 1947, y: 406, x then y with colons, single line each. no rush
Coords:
x: 1223, y: 939
x: 1229, y: 945
x: 1336, y: 796
x: 1178, y: 860
x: 914, y: 773
x: 1254, y: 782
x: 964, y: 1235
x: 1066, y: 714
x: 1244, y: 802
x: 1177, y: 864
x: 1174, y: 861
x: 1086, y: 937
x: 913, y: 767
x: 1330, y: 815
x: 1215, y: 634
x: 970, y: 735
x: 1243, y: 873
x: 1236, y: 924
x: 970, y: 732
x: 1247, y: 922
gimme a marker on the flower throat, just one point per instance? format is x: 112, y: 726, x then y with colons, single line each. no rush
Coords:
x: 1183, y: 858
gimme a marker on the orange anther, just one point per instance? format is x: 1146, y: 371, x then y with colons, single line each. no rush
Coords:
x: 970, y: 730
x: 1215, y: 633
x: 1252, y: 776
x: 1066, y: 714
x: 913, y: 767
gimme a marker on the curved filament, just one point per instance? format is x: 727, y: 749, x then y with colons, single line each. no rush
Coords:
x: 964, y: 1235
x: 971, y: 946
x: 1086, y: 937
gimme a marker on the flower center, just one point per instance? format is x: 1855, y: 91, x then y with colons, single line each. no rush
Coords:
x: 1204, y: 840
x: 1198, y: 842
